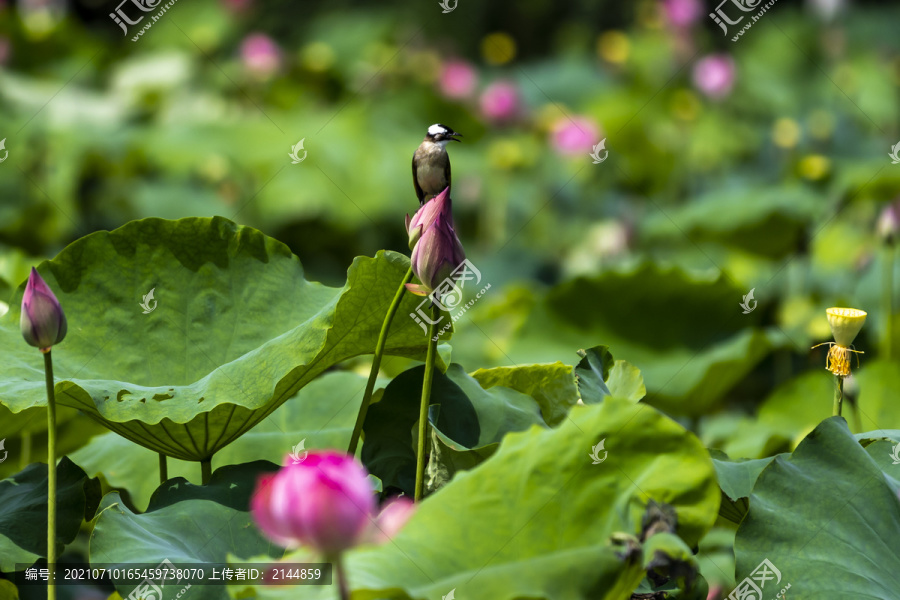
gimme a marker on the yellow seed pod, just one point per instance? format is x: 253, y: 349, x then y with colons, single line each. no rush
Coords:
x: 845, y: 324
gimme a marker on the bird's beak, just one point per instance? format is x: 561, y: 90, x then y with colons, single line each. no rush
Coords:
x: 454, y: 135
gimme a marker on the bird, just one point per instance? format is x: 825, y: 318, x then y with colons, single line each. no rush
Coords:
x: 431, y: 163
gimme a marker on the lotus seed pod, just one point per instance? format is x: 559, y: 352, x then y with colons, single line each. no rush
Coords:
x: 845, y: 324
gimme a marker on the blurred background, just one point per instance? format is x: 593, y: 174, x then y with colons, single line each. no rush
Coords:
x: 761, y: 164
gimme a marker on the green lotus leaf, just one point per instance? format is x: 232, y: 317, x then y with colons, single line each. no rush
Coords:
x: 599, y: 375
x: 233, y: 330
x: 23, y: 511
x: 827, y: 518
x: 686, y: 332
x: 185, y: 524
x: 736, y: 480
x: 535, y: 519
x: 321, y: 415
x: 552, y: 385
x: 471, y: 418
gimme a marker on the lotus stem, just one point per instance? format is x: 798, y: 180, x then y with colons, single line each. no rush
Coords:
x: 51, y: 473
x: 205, y: 470
x: 838, y: 395
x: 163, y: 469
x: 376, y: 363
x: 341, y: 576
x: 887, y: 300
x: 423, y: 408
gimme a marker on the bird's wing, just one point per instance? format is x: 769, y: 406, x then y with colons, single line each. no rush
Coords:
x: 447, y: 171
x: 420, y: 193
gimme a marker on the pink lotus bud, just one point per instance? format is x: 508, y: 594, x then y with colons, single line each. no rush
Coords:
x: 424, y: 218
x: 325, y: 502
x: 575, y: 136
x: 438, y: 251
x: 43, y: 321
x: 889, y: 222
x: 714, y: 75
x: 500, y: 101
x: 682, y: 13
x: 261, y: 55
x: 458, y: 79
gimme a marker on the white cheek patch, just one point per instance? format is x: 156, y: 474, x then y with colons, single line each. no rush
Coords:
x: 436, y: 129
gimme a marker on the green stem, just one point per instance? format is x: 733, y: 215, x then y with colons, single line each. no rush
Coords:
x: 423, y: 408
x: 163, y: 469
x: 205, y: 470
x: 376, y: 363
x: 838, y: 395
x: 341, y: 576
x: 51, y: 473
x: 887, y: 299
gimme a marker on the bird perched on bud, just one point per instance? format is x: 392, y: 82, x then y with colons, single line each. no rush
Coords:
x: 431, y: 163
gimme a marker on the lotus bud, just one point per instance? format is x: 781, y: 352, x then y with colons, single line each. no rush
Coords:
x: 845, y: 325
x: 325, y: 502
x: 42, y: 321
x: 425, y: 217
x: 889, y: 222
x: 392, y: 518
x: 438, y: 251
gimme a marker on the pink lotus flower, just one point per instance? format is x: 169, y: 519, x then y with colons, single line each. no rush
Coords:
x: 682, y: 13
x: 714, y: 75
x: 437, y: 251
x: 458, y: 79
x: 43, y: 322
x: 261, y: 55
x: 575, y: 136
x: 500, y: 101
x: 325, y: 502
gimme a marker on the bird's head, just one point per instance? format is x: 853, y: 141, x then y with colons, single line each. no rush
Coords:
x: 441, y: 133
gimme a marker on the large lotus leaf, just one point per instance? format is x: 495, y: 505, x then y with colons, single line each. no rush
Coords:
x: 321, y: 415
x: 25, y: 435
x: 235, y: 330
x: 552, y: 385
x: 828, y: 518
x: 23, y: 511
x: 471, y: 418
x: 184, y: 524
x: 686, y: 333
x: 767, y: 222
x: 534, y: 520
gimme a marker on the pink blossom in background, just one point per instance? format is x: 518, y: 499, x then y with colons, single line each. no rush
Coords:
x: 682, y: 13
x: 4, y: 46
x: 500, y: 101
x: 714, y: 592
x: 391, y: 519
x: 714, y: 75
x: 260, y: 54
x: 237, y: 6
x: 575, y: 136
x: 458, y: 79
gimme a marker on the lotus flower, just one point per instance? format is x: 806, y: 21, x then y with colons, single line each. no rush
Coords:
x: 43, y: 321
x: 714, y: 75
x: 261, y: 55
x: 575, y: 136
x: 682, y: 13
x: 500, y: 101
x: 458, y: 79
x: 326, y: 502
x: 437, y: 250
